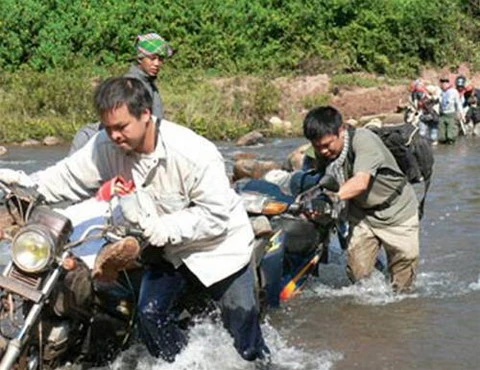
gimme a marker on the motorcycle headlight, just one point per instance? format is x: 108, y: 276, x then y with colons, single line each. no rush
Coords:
x: 33, y: 249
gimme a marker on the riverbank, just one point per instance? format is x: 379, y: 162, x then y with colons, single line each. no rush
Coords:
x: 35, y: 106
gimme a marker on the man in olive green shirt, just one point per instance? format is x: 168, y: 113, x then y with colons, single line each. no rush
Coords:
x: 380, y: 205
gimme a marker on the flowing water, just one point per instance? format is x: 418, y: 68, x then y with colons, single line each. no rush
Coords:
x: 334, y: 325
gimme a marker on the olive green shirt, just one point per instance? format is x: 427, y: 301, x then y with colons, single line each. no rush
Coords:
x: 369, y: 154
x: 372, y: 156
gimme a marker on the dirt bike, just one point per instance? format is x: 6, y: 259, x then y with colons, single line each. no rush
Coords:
x: 51, y: 312
x: 292, y: 235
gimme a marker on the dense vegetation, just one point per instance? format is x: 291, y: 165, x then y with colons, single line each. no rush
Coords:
x: 52, y: 51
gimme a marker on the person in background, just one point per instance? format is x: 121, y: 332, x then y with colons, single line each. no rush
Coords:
x: 151, y: 52
x: 417, y: 90
x: 451, y: 112
x: 375, y: 197
x: 199, y: 236
x: 470, y: 97
x: 429, y: 112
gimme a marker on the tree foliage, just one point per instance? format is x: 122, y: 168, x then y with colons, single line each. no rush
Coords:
x: 232, y: 36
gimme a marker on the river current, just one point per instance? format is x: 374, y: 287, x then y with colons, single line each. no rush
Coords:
x: 334, y: 325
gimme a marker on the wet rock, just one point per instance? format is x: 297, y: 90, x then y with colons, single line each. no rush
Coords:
x: 252, y: 138
x: 51, y: 140
x: 253, y: 168
x: 295, y: 159
x: 30, y: 142
x: 3, y: 150
x: 242, y: 155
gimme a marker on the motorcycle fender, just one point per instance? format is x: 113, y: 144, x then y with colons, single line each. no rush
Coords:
x: 271, y: 268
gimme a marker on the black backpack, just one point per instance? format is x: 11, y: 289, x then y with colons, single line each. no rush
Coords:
x: 413, y: 153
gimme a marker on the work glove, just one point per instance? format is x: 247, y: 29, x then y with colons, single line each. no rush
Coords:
x: 12, y: 177
x: 139, y: 208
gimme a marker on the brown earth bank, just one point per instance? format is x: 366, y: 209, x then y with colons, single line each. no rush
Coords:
x: 356, y: 102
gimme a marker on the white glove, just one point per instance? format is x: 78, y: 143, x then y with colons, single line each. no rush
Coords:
x: 139, y: 208
x: 12, y: 177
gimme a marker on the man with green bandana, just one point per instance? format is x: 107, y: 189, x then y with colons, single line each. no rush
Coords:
x: 152, y: 50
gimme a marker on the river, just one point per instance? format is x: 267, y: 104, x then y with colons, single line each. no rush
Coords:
x: 334, y: 325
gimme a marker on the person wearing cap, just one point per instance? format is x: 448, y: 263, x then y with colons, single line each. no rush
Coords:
x: 450, y: 112
x: 151, y: 51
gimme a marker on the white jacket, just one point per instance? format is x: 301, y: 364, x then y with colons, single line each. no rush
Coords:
x: 205, y: 219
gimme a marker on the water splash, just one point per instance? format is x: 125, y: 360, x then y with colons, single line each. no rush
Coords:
x: 211, y: 347
x: 374, y: 291
x: 443, y: 285
x: 332, y: 282
x: 475, y: 285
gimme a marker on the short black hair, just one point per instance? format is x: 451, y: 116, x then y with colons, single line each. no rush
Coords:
x: 117, y: 91
x: 322, y: 121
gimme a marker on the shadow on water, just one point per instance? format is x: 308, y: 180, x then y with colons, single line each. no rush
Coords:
x: 336, y: 325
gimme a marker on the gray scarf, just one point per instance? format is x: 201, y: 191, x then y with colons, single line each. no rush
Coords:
x: 336, y: 169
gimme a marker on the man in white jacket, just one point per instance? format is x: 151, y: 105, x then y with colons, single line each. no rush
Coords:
x: 197, y: 228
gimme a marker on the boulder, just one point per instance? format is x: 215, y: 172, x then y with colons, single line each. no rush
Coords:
x: 252, y: 138
x: 295, y: 159
x: 243, y: 155
x: 51, y: 140
x: 3, y: 150
x: 253, y: 168
x: 30, y: 142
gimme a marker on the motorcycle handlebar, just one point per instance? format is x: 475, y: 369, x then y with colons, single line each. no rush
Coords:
x: 133, y: 231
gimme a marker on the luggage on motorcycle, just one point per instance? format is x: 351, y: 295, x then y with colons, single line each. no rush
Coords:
x: 263, y: 187
x: 413, y: 153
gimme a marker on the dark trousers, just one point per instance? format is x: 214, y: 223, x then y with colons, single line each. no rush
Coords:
x: 162, y: 287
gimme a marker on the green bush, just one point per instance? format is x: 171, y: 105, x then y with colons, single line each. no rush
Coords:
x: 242, y: 36
x: 53, y: 52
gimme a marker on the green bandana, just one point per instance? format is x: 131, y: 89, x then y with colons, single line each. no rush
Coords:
x: 152, y: 44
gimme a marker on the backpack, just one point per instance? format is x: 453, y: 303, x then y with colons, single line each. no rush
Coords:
x: 413, y: 153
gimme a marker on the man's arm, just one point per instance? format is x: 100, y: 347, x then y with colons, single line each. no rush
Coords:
x: 73, y: 178
x: 354, y: 186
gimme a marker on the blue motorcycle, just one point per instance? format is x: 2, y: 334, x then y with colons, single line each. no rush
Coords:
x: 292, y: 234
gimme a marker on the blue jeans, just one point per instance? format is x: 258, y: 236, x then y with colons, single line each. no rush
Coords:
x: 162, y: 286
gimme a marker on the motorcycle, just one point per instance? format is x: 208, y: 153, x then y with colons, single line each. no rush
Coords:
x: 292, y: 235
x: 51, y: 311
